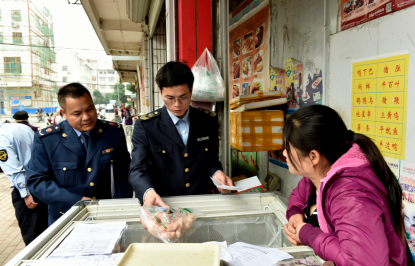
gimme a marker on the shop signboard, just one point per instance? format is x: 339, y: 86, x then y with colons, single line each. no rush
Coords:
x: 401, y: 4
x: 379, y: 101
x: 249, y: 52
x: 15, y: 100
x: 356, y: 12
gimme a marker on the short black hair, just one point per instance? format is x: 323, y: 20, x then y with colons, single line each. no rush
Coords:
x: 71, y: 90
x: 174, y: 73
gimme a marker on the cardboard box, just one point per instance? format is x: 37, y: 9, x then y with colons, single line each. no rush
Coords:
x: 257, y: 130
x: 250, y: 185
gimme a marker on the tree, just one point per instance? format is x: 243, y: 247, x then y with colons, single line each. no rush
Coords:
x: 119, y: 90
x: 131, y: 88
x: 98, y: 97
x: 107, y: 98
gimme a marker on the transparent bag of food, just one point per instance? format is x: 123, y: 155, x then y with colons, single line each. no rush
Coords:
x: 166, y: 223
x: 208, y: 85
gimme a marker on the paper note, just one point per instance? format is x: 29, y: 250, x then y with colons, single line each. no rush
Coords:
x: 219, y: 185
x: 225, y: 253
x: 97, y: 260
x: 251, y: 255
x: 91, y: 239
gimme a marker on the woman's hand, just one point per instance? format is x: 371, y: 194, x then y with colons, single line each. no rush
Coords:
x: 294, y: 236
x: 296, y: 218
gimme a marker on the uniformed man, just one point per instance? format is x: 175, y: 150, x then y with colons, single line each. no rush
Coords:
x: 16, y: 142
x: 176, y: 148
x: 82, y: 158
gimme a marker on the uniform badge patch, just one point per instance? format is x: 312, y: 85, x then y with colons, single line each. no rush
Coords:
x: 48, y: 130
x: 112, y: 124
x: 3, y: 155
x: 107, y: 150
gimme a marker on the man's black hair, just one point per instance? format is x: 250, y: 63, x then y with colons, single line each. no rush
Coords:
x: 174, y: 74
x: 71, y: 90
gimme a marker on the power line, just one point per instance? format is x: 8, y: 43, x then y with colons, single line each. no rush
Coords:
x: 43, y: 46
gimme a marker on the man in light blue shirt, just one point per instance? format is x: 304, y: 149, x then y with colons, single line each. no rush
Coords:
x: 16, y: 142
x: 182, y: 125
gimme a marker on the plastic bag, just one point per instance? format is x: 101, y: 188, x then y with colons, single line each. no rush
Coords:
x: 166, y: 223
x: 208, y: 85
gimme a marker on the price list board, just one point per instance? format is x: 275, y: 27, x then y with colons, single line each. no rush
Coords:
x: 379, y: 94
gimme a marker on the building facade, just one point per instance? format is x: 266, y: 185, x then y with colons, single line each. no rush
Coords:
x: 107, y: 76
x: 74, y: 68
x: 28, y: 60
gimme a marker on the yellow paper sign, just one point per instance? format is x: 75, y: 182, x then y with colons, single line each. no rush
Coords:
x: 379, y: 94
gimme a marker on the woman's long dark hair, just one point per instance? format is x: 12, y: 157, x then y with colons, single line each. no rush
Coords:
x: 320, y: 128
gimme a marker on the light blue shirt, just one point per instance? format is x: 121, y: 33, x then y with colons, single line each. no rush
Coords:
x: 182, y: 125
x: 16, y: 141
x: 79, y: 134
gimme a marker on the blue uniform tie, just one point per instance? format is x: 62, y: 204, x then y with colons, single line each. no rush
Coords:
x: 84, y: 137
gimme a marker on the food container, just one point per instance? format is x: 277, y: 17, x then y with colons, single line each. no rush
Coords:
x: 257, y: 130
x: 139, y: 254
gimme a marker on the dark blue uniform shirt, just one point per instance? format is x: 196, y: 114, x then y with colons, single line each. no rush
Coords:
x: 161, y: 160
x: 61, y: 172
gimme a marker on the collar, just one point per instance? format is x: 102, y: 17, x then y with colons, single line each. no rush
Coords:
x: 79, y: 132
x: 175, y: 119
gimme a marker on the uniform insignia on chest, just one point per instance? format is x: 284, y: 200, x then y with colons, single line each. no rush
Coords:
x: 107, y: 150
x: 49, y: 130
x: 203, y: 138
x: 3, y: 155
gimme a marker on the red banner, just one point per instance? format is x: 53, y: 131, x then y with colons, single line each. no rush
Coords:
x: 356, y: 12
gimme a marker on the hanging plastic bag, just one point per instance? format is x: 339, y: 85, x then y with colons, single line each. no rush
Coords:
x: 208, y: 85
x: 166, y: 223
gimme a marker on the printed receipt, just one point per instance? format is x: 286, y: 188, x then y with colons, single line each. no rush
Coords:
x: 251, y: 255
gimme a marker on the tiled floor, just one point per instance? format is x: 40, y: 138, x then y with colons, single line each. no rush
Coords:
x: 11, y: 241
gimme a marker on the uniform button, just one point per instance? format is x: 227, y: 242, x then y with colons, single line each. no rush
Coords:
x: 89, y: 169
x: 206, y: 149
x: 64, y: 169
x: 163, y: 151
x: 112, y: 161
x: 184, y: 132
x: 185, y: 155
x: 91, y: 184
x: 187, y: 185
x: 186, y: 170
x: 94, y: 198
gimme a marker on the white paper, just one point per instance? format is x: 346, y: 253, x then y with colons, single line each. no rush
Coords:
x: 225, y: 253
x: 251, y: 255
x: 248, y: 183
x: 219, y: 185
x: 91, y: 239
x: 234, y: 262
x: 96, y: 260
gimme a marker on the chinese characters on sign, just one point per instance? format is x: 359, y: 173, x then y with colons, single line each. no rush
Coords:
x: 379, y: 90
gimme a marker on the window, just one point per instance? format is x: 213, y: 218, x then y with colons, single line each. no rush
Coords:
x: 1, y: 37
x: 12, y: 65
x: 102, y: 80
x: 102, y: 87
x: 17, y: 37
x: 100, y: 72
x: 110, y: 72
x: 64, y: 68
x: 65, y: 79
x: 111, y: 79
x: 16, y: 15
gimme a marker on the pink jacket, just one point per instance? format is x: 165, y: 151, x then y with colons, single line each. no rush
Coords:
x: 353, y: 213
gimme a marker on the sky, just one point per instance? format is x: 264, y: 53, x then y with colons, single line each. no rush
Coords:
x: 72, y: 29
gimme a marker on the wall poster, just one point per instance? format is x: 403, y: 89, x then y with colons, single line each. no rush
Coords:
x: 379, y: 95
x: 249, y: 60
x: 356, y: 12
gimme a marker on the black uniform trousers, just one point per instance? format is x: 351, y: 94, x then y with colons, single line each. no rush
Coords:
x: 32, y: 222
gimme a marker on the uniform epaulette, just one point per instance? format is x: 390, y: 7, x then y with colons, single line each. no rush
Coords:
x: 210, y: 113
x: 150, y: 115
x: 111, y: 124
x: 49, y: 130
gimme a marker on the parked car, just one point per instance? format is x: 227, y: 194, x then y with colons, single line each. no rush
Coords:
x: 109, y: 108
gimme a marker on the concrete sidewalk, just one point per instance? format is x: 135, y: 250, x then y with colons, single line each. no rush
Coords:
x: 11, y: 241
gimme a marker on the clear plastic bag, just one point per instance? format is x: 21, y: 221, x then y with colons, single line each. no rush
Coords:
x: 166, y: 223
x: 208, y: 85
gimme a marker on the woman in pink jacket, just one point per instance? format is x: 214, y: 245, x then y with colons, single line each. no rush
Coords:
x: 348, y: 206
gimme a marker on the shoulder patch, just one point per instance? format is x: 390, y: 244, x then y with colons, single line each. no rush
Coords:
x: 111, y: 124
x: 3, y: 155
x: 49, y: 130
x: 150, y: 115
x: 210, y: 113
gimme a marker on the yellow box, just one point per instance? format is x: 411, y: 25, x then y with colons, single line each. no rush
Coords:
x: 257, y: 130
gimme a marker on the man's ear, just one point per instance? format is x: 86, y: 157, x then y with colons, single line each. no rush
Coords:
x: 63, y: 113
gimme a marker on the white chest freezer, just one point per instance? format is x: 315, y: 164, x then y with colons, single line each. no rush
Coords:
x: 254, y: 218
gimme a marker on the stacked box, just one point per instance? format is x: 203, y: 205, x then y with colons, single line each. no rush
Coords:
x: 257, y: 130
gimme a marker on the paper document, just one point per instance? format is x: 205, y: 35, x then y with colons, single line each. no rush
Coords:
x: 225, y: 254
x: 251, y: 255
x: 90, y: 239
x: 234, y: 262
x: 219, y: 185
x: 96, y: 260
